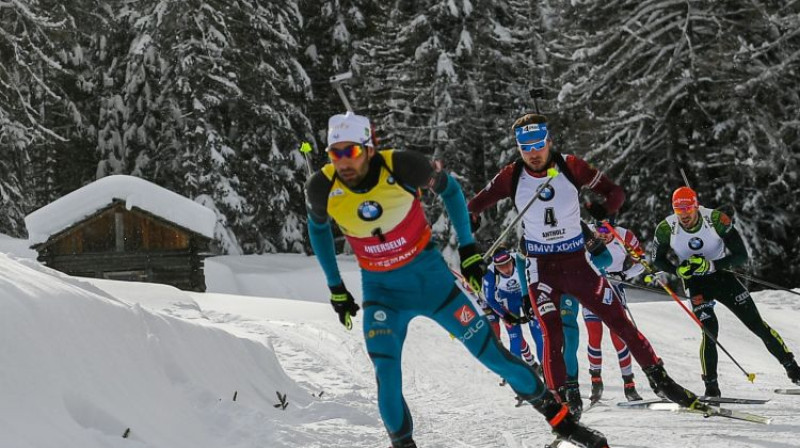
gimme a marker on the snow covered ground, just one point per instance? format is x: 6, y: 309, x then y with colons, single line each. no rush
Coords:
x: 82, y: 361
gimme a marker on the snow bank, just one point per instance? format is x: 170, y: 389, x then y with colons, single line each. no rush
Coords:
x: 291, y: 276
x: 136, y: 192
x: 80, y: 367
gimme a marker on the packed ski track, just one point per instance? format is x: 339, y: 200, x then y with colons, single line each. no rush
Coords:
x: 326, y: 374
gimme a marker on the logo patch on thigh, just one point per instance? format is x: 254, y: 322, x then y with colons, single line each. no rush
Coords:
x: 465, y: 315
x: 546, y: 308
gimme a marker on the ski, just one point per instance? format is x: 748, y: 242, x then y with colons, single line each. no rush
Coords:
x: 594, y: 405
x: 709, y: 411
x: 642, y: 403
x: 709, y: 400
x: 713, y: 411
x: 731, y: 400
x: 788, y: 391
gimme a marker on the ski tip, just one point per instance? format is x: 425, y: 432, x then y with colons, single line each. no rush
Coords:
x: 787, y: 391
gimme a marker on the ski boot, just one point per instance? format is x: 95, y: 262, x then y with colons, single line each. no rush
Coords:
x: 792, y: 370
x: 597, y: 386
x: 654, y: 387
x: 712, y: 387
x: 629, y: 387
x: 405, y: 443
x: 672, y: 391
x: 571, y: 395
x: 565, y: 425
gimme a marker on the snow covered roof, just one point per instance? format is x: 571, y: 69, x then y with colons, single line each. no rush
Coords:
x: 84, y: 202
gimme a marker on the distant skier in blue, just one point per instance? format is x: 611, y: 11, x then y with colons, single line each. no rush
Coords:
x: 374, y: 198
x: 503, y: 289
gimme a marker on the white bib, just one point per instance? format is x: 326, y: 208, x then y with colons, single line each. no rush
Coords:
x: 506, y: 285
x: 553, y: 223
x: 705, y: 242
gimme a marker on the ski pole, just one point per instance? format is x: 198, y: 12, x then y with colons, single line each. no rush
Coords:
x: 337, y: 81
x: 624, y: 303
x: 646, y: 288
x: 551, y: 174
x: 763, y: 282
x: 305, y: 148
x: 638, y: 256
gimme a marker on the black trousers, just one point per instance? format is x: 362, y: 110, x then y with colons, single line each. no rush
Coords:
x: 726, y: 289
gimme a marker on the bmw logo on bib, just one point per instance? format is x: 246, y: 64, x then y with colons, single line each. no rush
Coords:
x: 695, y: 243
x: 369, y: 211
x: 547, y: 193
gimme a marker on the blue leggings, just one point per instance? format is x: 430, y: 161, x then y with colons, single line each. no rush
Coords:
x: 569, y: 320
x: 426, y: 287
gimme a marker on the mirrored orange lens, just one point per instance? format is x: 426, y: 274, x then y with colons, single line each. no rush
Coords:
x: 350, y: 151
x: 684, y: 210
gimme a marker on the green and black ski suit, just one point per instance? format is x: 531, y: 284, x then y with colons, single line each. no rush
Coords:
x: 715, y: 238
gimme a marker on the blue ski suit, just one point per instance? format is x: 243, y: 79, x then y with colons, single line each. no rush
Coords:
x: 504, y: 295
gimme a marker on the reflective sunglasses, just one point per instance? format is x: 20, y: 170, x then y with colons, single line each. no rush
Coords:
x: 349, y: 151
x: 535, y: 146
x: 602, y: 229
x: 684, y: 210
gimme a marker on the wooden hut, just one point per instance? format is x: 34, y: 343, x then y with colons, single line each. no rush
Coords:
x: 125, y: 228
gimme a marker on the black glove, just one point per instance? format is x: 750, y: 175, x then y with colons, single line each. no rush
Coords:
x: 527, y: 310
x: 474, y: 222
x: 617, y: 276
x: 472, y: 265
x: 344, y: 305
x: 597, y: 211
x: 511, y: 319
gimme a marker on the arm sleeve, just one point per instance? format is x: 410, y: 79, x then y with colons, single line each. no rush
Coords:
x: 319, y: 227
x: 499, y: 188
x: 317, y: 189
x: 456, y: 206
x: 631, y: 240
x: 660, y: 260
x: 417, y: 171
x: 490, y: 292
x: 738, y: 252
x: 321, y: 236
x: 635, y: 269
x: 595, y: 180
